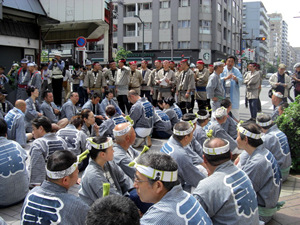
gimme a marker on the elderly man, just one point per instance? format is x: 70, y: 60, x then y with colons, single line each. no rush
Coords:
x: 45, y: 144
x: 218, y: 131
x: 281, y: 82
x: 122, y: 85
x: 188, y: 174
x: 57, y: 66
x: 166, y: 80
x: 136, y: 78
x: 69, y: 109
x: 15, y: 120
x: 201, y: 79
x: 23, y: 78
x: 252, y: 81
x: 14, y: 175
x: 232, y: 80
x: 124, y: 153
x: 214, y: 89
x: 142, y: 114
x: 262, y: 169
x: 157, y: 182
x: 94, y: 81
x: 276, y: 142
x: 110, y: 76
x: 277, y: 101
x: 152, y: 83
x: 227, y: 195
x: 36, y: 78
x: 146, y: 87
x: 51, y: 203
x: 185, y: 85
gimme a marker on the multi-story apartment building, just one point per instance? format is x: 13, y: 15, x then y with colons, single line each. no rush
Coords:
x: 193, y: 29
x: 256, y: 24
x: 278, y: 42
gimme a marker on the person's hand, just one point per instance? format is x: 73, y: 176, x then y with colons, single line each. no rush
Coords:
x: 234, y: 78
x: 40, y: 114
x: 215, y: 99
x: 277, y: 84
x: 100, y: 117
x: 96, y: 128
x: 167, y: 80
x: 56, y: 111
x: 237, y: 160
x: 88, y: 91
x: 176, y: 92
x: 187, y: 95
x: 158, y: 81
x: 102, y: 90
x: 228, y: 77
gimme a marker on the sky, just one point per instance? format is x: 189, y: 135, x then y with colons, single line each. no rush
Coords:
x: 288, y: 9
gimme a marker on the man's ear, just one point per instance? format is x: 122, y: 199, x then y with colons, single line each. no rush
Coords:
x: 159, y: 187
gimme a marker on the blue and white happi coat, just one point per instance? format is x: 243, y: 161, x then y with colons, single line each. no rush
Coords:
x: 228, y: 196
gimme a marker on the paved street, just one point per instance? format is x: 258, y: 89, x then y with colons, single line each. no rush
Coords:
x: 290, y: 193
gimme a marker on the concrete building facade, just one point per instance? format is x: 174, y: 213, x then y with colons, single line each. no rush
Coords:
x: 256, y: 24
x: 193, y: 29
x: 279, y: 41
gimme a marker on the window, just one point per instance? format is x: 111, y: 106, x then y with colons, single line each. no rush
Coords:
x: 164, y: 45
x: 130, y: 46
x: 205, y: 6
x: 219, y: 7
x: 224, y: 33
x: 229, y: 19
x: 229, y: 36
x: 219, y: 47
x: 184, y: 3
x: 183, y: 45
x: 147, y: 46
x: 233, y: 3
x: 164, y: 25
x: 205, y: 45
x: 130, y: 10
x: 184, y: 24
x: 225, y: 15
x: 204, y: 27
x: 146, y: 6
x: 224, y: 49
x: 233, y: 20
x: 148, y: 26
x: 219, y: 27
x: 164, y: 4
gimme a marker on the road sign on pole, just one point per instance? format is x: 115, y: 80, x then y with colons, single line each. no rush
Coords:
x: 80, y: 41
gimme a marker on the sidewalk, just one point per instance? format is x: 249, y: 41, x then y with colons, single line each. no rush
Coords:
x: 288, y: 215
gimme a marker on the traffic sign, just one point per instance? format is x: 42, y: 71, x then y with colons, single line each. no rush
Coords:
x: 80, y: 49
x: 81, y: 41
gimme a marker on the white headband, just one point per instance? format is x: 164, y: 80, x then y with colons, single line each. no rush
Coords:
x: 185, y: 132
x: 166, y: 176
x: 221, y: 112
x: 204, y: 117
x: 278, y: 94
x: 248, y: 133
x: 264, y: 124
x: 63, y: 173
x: 101, y: 146
x: 215, y: 151
x: 118, y: 133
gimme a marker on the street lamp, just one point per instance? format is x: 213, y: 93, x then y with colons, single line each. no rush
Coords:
x: 137, y: 16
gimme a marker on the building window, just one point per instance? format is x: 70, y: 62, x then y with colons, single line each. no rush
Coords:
x: 147, y: 46
x: 130, y: 46
x: 184, y: 24
x: 219, y: 27
x: 233, y: 20
x: 205, y: 45
x: 146, y: 6
x: 148, y: 26
x: 204, y: 27
x: 130, y: 10
x: 164, y: 45
x: 225, y: 33
x: 225, y: 15
x: 224, y: 49
x: 225, y: 1
x: 219, y: 47
x: 130, y: 30
x: 233, y: 4
x: 229, y: 36
x: 184, y: 3
x: 219, y: 7
x: 205, y: 6
x: 165, y: 4
x: 164, y: 25
x: 183, y: 44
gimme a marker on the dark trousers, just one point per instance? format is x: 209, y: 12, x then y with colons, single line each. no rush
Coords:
x: 160, y: 134
x: 83, y: 96
x: 185, y: 107
x: 75, y: 87
x: 192, y: 103
x: 202, y: 104
x: 258, y: 105
x: 57, y: 90
x: 123, y: 102
x: 147, y: 95
x: 253, y: 107
x: 296, y: 93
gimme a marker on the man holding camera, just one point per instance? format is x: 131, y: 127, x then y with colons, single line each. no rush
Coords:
x: 57, y: 66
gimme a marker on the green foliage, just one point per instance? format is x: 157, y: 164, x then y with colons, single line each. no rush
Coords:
x: 270, y: 68
x: 289, y: 123
x: 121, y: 53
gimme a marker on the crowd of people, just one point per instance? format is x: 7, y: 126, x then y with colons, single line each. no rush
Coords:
x: 213, y: 168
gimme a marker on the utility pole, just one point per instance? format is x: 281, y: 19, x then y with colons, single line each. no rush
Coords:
x: 143, y: 24
x: 110, y: 31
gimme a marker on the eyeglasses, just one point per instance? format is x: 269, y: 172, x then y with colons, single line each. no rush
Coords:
x: 138, y: 180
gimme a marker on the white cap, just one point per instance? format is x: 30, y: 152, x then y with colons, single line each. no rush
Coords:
x: 31, y: 64
x: 221, y: 112
x: 88, y: 62
x: 192, y: 65
x: 218, y: 63
x: 57, y: 54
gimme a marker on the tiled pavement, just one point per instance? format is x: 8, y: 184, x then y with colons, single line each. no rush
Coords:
x: 288, y: 215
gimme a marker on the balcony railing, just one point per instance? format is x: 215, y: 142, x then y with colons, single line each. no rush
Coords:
x: 130, y: 14
x: 130, y: 33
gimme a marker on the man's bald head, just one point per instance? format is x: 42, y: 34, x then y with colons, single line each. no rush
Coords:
x: 21, y: 104
x: 218, y: 159
x: 216, y: 143
x: 127, y: 138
